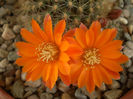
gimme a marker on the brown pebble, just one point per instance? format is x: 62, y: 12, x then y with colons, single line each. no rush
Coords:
x: 66, y: 96
x: 9, y: 80
x: 18, y: 74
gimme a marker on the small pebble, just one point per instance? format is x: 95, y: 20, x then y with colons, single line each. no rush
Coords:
x: 103, y: 87
x: 28, y: 93
x: 3, y: 12
x: 130, y: 69
x: 53, y: 90
x: 8, y: 34
x: 121, y: 3
x: 123, y: 20
x: 130, y: 28
x: 23, y: 76
x: 127, y: 36
x: 2, y: 21
x: 62, y: 87
x: 12, y: 56
x: 129, y: 63
x: 30, y: 89
x: 46, y: 96
x: 123, y: 79
x: 9, y: 80
x: 130, y: 83
x: 115, y: 85
x: 18, y: 74
x: 1, y: 40
x: 18, y: 89
x: 113, y: 94
x: 95, y: 95
x: 3, y: 53
x: 33, y: 97
x: 130, y: 75
x: 10, y: 2
x: 126, y: 13
x: 129, y: 44
x: 66, y: 96
x: 16, y: 28
x: 79, y: 94
x: 128, y: 52
x: 3, y: 63
x: 36, y: 83
x: 4, y: 46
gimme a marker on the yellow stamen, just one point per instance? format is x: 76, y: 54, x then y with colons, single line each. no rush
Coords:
x: 47, y: 52
x: 91, y: 57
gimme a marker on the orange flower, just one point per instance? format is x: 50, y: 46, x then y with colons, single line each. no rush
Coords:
x: 44, y: 53
x: 96, y: 56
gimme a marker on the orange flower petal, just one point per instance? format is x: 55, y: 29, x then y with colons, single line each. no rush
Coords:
x: 64, y: 68
x: 30, y: 65
x: 36, y: 73
x: 26, y: 49
x: 82, y: 78
x: 30, y: 37
x: 110, y: 54
x: 106, y: 76
x: 113, y: 75
x: 104, y: 37
x: 75, y: 72
x: 46, y: 72
x: 80, y: 37
x: 90, y: 38
x: 28, y: 76
x: 122, y: 59
x: 64, y: 57
x: 65, y: 78
x: 64, y: 45
x: 69, y: 33
x: 90, y: 81
x: 113, y: 45
x: 111, y: 65
x: 72, y: 51
x: 113, y: 32
x: 38, y: 31
x: 22, y: 61
x: 97, y: 76
x: 53, y: 75
x: 58, y: 31
x: 96, y: 27
x: 83, y: 27
x: 48, y: 27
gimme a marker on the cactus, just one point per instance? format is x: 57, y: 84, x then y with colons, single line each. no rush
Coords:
x: 73, y: 11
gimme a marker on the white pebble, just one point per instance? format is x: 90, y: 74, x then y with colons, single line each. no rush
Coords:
x: 123, y: 20
x: 130, y: 28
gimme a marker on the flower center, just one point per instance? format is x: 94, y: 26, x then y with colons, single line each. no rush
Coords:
x: 47, y: 52
x: 91, y: 57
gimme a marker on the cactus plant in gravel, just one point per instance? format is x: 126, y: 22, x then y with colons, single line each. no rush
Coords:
x: 74, y: 11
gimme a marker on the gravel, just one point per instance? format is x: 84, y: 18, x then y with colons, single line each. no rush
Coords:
x: 46, y: 96
x: 18, y: 89
x: 12, y: 56
x: 8, y: 34
x: 113, y: 94
x: 115, y: 85
x: 3, y: 53
x: 3, y: 12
